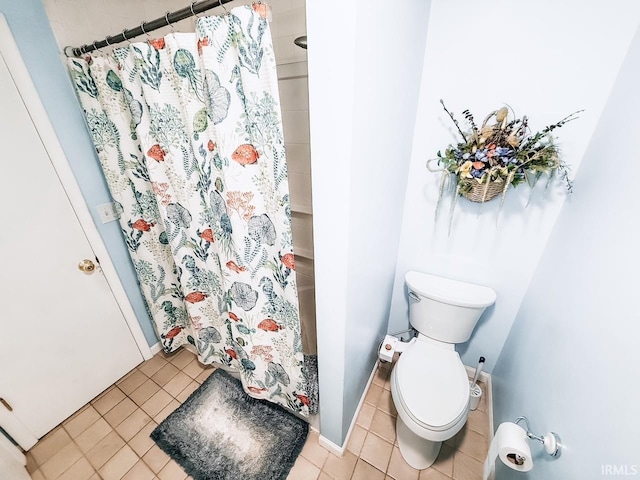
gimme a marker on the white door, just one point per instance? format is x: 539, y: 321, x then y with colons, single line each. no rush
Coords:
x: 63, y: 339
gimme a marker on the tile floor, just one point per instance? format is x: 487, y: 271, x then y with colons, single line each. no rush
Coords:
x: 108, y: 438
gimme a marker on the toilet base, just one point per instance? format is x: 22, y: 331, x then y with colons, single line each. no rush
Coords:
x: 418, y: 452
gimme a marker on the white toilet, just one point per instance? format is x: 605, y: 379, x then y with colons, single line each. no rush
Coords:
x: 429, y: 383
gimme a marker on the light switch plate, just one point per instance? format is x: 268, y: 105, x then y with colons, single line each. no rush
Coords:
x: 107, y: 212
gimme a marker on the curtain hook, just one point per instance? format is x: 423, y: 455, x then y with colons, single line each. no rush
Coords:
x: 125, y: 37
x: 191, y: 8
x: 144, y: 31
x: 169, y: 24
x: 223, y: 7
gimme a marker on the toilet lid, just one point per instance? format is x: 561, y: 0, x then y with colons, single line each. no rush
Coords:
x: 434, y: 385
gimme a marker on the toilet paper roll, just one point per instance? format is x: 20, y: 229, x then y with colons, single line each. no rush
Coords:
x: 511, y: 445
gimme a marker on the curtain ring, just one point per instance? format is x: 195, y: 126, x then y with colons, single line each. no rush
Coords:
x: 191, y: 8
x: 169, y: 24
x: 125, y: 37
x: 144, y: 31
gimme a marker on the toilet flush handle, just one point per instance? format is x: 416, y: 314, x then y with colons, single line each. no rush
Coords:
x: 414, y: 296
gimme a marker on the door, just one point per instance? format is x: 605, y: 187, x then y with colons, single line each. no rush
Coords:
x: 63, y: 338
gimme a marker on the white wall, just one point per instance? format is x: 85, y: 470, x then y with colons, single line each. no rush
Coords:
x: 364, y: 66
x: 545, y: 59
x: 570, y: 362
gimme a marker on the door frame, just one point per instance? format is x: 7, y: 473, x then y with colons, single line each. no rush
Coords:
x: 40, y: 119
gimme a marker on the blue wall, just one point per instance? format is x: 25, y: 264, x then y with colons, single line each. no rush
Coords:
x: 570, y: 361
x: 31, y: 29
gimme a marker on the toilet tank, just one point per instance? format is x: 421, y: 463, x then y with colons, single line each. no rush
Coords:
x: 444, y: 309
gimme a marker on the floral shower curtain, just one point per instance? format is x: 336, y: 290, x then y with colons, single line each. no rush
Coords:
x: 189, y: 135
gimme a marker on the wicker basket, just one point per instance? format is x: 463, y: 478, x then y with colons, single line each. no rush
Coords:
x: 477, y: 192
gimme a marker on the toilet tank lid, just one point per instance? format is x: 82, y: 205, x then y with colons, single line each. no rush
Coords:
x: 453, y: 292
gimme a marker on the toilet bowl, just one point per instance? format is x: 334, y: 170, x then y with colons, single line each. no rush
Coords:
x: 429, y: 383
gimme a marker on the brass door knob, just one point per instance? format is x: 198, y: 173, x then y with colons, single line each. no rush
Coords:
x: 87, y: 266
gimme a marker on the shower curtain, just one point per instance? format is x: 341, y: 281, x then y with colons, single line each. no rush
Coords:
x: 189, y: 135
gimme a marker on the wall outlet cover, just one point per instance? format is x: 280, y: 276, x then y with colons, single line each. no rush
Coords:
x: 108, y: 212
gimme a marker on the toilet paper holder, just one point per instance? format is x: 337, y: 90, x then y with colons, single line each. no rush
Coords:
x: 551, y: 440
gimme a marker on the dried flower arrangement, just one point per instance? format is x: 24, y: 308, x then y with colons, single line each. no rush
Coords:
x: 495, y: 155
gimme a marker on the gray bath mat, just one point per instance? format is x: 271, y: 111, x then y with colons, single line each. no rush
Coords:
x: 220, y: 433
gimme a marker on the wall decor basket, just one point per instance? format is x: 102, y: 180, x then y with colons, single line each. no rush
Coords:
x: 480, y: 193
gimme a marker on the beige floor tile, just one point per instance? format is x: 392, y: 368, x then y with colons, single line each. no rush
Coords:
x: 303, y: 469
x: 81, y: 470
x: 104, y: 450
x: 177, y: 384
x: 150, y: 367
x: 172, y: 471
x: 141, y: 442
x: 365, y: 416
x: 166, y: 373
x: 92, y: 435
x: 478, y: 421
x: 194, y: 368
x: 118, y: 465
x: 432, y: 474
x: 32, y: 465
x: 323, y: 476
x: 399, y: 469
x: 144, y: 392
x: 80, y: 422
x: 376, y: 451
x: 206, y: 373
x: 132, y: 381
x: 50, y: 444
x: 166, y: 411
x: 356, y: 441
x: 108, y: 400
x: 385, y: 403
x: 473, y: 444
x: 156, y: 403
x: 117, y: 414
x: 365, y: 471
x: 313, y: 451
x: 133, y: 424
x: 444, y: 462
x: 466, y: 468
x: 373, y: 395
x: 380, y: 377
x: 61, y: 461
x: 139, y: 471
x: 384, y: 425
x: 182, y: 358
x: 155, y: 458
x: 340, y: 468
x: 37, y: 475
x: 187, y: 391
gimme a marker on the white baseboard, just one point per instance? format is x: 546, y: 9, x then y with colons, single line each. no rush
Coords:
x: 157, y: 348
x: 339, y: 449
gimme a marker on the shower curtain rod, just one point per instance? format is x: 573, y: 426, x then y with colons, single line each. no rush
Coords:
x: 146, y: 27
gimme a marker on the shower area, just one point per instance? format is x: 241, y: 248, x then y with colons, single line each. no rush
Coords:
x: 77, y: 22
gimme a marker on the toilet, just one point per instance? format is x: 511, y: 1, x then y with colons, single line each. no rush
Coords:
x: 429, y: 383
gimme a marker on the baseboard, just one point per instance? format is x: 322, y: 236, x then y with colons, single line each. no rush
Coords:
x: 337, y: 449
x: 157, y: 348
x: 486, y: 379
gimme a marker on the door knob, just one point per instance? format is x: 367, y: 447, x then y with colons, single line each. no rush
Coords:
x: 87, y: 266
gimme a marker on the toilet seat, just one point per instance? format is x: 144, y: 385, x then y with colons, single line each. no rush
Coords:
x: 432, y: 386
